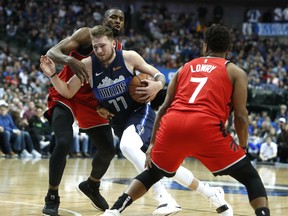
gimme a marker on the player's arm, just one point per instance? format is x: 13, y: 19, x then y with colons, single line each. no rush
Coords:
x: 66, y: 89
x: 170, y: 95
x: 135, y: 62
x: 239, y: 79
x: 60, y: 52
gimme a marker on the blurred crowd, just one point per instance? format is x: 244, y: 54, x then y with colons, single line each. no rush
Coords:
x: 165, y: 39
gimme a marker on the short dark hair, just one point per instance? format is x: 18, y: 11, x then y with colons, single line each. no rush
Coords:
x: 101, y: 30
x: 218, y: 38
x: 111, y: 11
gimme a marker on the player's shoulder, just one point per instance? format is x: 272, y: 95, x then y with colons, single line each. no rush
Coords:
x: 130, y: 53
x: 234, y: 68
x: 82, y: 35
x: 82, y: 30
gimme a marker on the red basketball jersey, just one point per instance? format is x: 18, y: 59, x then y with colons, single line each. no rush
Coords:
x: 204, y: 86
x: 201, y: 107
x: 83, y: 104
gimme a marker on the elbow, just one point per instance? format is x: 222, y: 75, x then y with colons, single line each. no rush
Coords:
x: 49, y: 53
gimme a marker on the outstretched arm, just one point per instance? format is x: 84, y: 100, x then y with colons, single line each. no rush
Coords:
x: 67, y: 90
x: 60, y: 52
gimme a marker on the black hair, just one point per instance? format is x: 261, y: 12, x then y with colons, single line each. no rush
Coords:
x: 218, y: 38
x: 109, y: 11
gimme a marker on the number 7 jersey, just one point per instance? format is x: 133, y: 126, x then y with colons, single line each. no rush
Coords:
x: 203, y: 86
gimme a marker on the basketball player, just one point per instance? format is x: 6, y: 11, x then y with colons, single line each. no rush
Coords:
x: 82, y: 107
x: 200, y: 96
x: 110, y: 72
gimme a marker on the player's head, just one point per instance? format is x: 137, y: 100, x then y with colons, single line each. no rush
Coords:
x: 217, y: 39
x: 103, y: 42
x: 114, y: 18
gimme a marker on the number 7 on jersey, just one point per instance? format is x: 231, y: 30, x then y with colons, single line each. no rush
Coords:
x: 201, y: 82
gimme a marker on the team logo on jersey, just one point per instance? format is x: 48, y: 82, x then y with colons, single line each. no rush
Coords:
x: 116, y: 68
x: 233, y: 145
x: 98, y: 74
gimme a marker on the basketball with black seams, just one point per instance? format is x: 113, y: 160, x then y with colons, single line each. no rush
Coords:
x: 136, y: 82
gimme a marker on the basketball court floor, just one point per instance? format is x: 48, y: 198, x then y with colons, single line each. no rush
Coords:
x: 24, y: 182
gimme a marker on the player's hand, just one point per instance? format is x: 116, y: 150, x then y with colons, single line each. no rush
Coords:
x: 79, y: 69
x: 148, y: 161
x: 150, y: 91
x: 105, y: 113
x: 47, y: 65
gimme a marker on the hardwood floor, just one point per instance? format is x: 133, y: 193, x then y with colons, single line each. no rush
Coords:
x: 24, y: 184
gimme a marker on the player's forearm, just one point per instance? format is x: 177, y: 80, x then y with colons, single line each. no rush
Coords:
x: 58, y: 56
x: 61, y: 87
x: 241, y: 127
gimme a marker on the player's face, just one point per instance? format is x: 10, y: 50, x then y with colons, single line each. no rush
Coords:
x: 115, y: 20
x: 104, y: 49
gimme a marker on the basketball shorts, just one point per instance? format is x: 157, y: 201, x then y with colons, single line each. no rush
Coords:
x: 143, y: 120
x: 198, y: 135
x: 82, y: 108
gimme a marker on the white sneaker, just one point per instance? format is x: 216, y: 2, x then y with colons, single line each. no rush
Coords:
x: 26, y: 154
x: 43, y: 144
x: 222, y: 207
x: 109, y: 212
x: 36, y: 154
x: 168, y: 207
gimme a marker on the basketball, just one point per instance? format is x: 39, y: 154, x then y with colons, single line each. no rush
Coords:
x: 136, y: 82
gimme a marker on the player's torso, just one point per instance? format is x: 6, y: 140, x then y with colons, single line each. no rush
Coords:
x: 204, y: 86
x: 110, y: 87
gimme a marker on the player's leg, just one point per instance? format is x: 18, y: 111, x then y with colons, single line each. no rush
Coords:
x: 131, y: 144
x: 138, y: 187
x: 175, y: 142
x: 215, y: 195
x: 101, y: 137
x: 249, y: 177
x: 62, y: 120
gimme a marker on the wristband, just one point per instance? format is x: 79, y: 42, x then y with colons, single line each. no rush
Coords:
x: 155, y: 75
x: 160, y: 77
x: 53, y: 75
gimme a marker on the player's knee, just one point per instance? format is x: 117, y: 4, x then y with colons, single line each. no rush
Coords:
x: 256, y: 186
x: 64, y: 142
x: 250, y: 178
x: 151, y: 176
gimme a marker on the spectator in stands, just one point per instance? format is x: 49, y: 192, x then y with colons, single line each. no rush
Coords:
x: 40, y: 130
x: 30, y: 111
x: 282, y: 141
x: 268, y: 151
x: 282, y: 112
x: 11, y: 136
x: 218, y: 13
x: 253, y: 17
x: 27, y: 146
